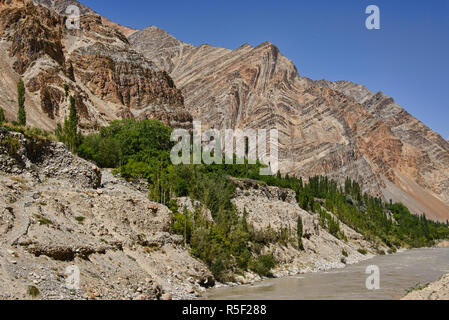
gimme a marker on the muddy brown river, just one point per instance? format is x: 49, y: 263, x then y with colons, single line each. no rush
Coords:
x: 398, y: 273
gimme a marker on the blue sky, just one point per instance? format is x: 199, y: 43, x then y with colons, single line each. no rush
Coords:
x: 408, y: 58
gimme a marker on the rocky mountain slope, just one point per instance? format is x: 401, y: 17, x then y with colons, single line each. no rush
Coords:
x: 335, y: 129
x: 107, y: 78
x: 53, y: 214
x: 59, y: 211
x: 60, y: 7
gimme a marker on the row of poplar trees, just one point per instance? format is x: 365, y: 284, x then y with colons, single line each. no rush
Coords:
x: 68, y: 133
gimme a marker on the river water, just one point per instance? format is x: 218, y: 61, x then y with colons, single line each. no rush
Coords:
x: 398, y: 273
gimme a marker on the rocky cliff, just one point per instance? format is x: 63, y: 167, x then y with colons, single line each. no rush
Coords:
x: 107, y: 78
x: 335, y: 129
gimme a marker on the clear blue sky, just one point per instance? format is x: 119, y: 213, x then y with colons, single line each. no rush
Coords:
x: 407, y: 59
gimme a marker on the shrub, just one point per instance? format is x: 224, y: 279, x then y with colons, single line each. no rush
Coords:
x: 80, y: 219
x: 11, y: 144
x: 217, y: 268
x: 363, y: 251
x: 263, y: 265
x: 417, y: 287
x: 42, y: 220
x: 33, y: 291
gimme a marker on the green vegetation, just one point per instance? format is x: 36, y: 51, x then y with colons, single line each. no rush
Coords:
x: 69, y: 133
x: 29, y: 131
x: 2, y: 116
x: 42, y: 220
x: 299, y: 231
x: 21, y: 114
x: 379, y: 222
x: 263, y: 265
x: 417, y: 287
x: 80, y: 219
x: 33, y: 291
x: 11, y: 144
x: 363, y: 251
x: 344, y: 253
x: 66, y: 90
x: 228, y: 245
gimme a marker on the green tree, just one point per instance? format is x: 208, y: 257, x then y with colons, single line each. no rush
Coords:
x: 68, y: 134
x: 300, y: 231
x: 21, y: 115
x: 71, y: 127
x: 2, y: 116
x: 66, y: 90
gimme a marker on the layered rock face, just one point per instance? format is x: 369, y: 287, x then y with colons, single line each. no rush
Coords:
x: 108, y: 80
x: 335, y: 129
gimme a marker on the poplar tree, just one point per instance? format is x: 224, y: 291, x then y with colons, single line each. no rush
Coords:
x: 300, y: 233
x: 21, y: 115
x: 70, y: 131
x: 2, y: 116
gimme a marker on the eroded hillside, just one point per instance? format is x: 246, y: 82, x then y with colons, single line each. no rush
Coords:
x: 95, y: 64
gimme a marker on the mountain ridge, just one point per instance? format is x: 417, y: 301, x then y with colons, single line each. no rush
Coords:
x: 328, y: 128
x: 260, y: 88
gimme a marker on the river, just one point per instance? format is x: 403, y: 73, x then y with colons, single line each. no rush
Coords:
x: 398, y: 273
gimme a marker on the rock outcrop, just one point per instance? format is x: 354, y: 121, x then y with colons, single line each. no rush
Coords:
x: 45, y: 159
x: 107, y: 78
x: 335, y: 129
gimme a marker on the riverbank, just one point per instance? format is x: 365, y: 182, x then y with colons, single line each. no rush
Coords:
x: 275, y: 211
x: 321, y: 265
x: 438, y: 290
x: 398, y: 273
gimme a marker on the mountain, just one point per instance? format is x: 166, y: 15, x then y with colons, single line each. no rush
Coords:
x: 60, y: 7
x: 336, y: 129
x: 60, y: 214
x: 106, y: 77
